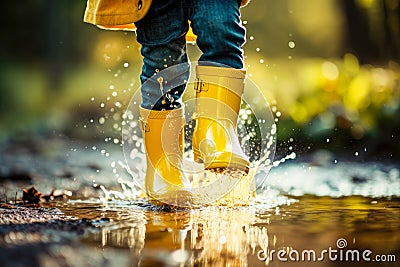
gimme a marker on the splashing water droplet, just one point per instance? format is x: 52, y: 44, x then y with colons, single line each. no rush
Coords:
x: 160, y: 81
x: 291, y: 44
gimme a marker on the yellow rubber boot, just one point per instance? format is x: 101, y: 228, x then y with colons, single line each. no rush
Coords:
x: 218, y: 95
x: 163, y: 139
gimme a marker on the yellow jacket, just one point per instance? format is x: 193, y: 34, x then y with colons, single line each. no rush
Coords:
x: 111, y: 13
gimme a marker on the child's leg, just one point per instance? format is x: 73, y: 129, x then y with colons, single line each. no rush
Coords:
x: 162, y: 36
x: 220, y: 34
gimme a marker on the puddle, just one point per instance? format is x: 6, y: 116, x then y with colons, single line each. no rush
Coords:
x: 302, y: 206
x: 336, y: 179
x: 222, y: 236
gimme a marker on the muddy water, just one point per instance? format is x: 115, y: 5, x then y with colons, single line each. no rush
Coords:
x: 352, y: 230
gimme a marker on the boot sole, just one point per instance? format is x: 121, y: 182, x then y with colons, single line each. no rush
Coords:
x: 215, y: 164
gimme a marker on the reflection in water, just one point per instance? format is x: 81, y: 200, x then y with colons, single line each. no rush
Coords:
x: 222, y: 236
x: 212, y: 236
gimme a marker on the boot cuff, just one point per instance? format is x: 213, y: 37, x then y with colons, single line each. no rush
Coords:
x: 220, y: 72
x: 161, y: 114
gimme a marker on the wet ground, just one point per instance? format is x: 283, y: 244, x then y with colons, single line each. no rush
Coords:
x: 318, y: 212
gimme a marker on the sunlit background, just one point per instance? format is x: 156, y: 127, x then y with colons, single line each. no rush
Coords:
x: 329, y: 69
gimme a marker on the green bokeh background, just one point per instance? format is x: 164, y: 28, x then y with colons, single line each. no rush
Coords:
x: 329, y: 68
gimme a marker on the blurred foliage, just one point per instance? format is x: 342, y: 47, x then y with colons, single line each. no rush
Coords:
x: 330, y: 69
x: 373, y: 30
x: 334, y: 103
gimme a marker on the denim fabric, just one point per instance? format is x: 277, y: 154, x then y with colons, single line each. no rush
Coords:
x: 220, y: 36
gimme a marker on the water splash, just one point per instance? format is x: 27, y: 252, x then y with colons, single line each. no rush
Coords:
x: 260, y: 150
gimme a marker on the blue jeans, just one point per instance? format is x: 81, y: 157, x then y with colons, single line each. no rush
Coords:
x: 220, y: 36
